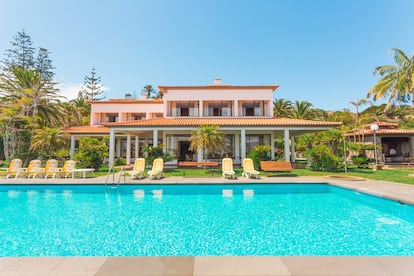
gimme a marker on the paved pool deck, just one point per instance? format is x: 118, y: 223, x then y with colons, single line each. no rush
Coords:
x: 228, y: 265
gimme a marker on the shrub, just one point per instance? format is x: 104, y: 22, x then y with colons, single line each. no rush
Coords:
x: 361, y: 161
x: 259, y: 153
x: 120, y: 161
x: 154, y: 152
x: 323, y: 160
x: 91, y: 153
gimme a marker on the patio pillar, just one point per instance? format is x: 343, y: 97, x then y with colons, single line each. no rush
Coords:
x: 111, y: 147
x: 200, y: 155
x: 128, y: 149
x: 72, y: 146
x: 292, y: 150
x: 118, y: 147
x: 272, y: 145
x: 200, y: 108
x: 136, y: 147
x: 243, y: 143
x: 286, y: 144
x: 237, y: 146
x: 236, y: 108
x: 155, y: 137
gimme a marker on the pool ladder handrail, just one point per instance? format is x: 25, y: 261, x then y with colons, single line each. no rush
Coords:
x: 113, y: 185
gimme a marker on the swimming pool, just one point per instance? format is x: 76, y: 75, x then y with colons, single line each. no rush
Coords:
x: 177, y: 220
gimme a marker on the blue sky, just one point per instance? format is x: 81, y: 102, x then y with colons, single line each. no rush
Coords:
x: 321, y: 51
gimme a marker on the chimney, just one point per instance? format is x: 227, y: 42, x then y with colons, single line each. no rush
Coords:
x: 217, y: 81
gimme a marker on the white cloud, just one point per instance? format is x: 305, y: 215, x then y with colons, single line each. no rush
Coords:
x: 71, y: 90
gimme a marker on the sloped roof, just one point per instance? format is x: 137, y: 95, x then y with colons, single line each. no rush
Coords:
x: 87, y: 129
x: 199, y: 121
x: 128, y: 101
x: 164, y: 88
x: 384, y: 132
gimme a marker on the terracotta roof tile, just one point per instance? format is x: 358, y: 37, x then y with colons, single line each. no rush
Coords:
x: 164, y: 88
x: 128, y: 101
x: 384, y: 132
x: 87, y: 129
x: 197, y: 121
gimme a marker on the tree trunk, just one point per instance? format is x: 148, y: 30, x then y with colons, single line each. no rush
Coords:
x: 6, y: 143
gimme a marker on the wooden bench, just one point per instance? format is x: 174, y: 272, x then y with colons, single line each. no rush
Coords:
x: 194, y: 164
x: 276, y: 166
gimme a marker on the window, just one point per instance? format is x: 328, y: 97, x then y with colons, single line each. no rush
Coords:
x: 136, y: 116
x: 111, y: 117
x: 215, y: 109
x: 252, y: 108
x: 256, y: 139
x: 183, y: 109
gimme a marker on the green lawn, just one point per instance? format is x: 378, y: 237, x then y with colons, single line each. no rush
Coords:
x: 394, y: 175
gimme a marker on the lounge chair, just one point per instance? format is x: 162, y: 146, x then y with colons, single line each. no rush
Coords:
x: 14, y: 168
x: 51, y: 168
x: 138, y: 170
x: 248, y: 168
x: 227, y: 167
x: 67, y: 168
x: 34, y: 168
x: 157, y: 167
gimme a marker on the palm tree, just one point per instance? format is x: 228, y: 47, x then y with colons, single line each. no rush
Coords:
x: 49, y: 140
x: 302, y: 110
x: 357, y: 104
x: 148, y: 90
x: 398, y: 80
x: 37, y: 104
x: 208, y: 138
x: 282, y: 108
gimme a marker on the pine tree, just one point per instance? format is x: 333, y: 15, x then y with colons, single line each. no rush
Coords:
x: 43, y: 64
x: 21, y: 54
x: 91, y: 88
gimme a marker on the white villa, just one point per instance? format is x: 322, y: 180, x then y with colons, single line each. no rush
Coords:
x: 244, y: 114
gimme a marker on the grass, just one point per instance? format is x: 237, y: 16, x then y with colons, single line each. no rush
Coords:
x: 394, y: 175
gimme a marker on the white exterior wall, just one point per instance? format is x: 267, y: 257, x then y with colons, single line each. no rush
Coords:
x: 235, y: 95
x: 122, y: 108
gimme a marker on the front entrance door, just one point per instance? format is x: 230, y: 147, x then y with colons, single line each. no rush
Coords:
x: 185, y: 153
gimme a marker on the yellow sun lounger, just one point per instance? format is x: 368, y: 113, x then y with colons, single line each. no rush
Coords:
x: 34, y: 168
x: 248, y: 168
x: 67, y: 168
x: 139, y: 168
x: 14, y: 168
x: 227, y: 167
x: 51, y: 168
x: 157, y: 167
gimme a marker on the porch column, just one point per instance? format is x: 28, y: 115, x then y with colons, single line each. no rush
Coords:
x: 72, y: 146
x: 237, y: 146
x: 286, y: 144
x: 272, y: 145
x: 118, y: 147
x: 136, y: 147
x: 128, y: 149
x: 292, y: 148
x: 111, y: 147
x: 200, y: 108
x: 155, y: 137
x: 200, y: 155
x: 236, y: 108
x: 243, y: 143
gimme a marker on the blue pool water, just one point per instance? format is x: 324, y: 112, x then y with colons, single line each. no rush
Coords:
x: 282, y: 219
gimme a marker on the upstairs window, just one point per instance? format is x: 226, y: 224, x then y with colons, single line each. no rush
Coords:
x: 215, y: 109
x: 252, y: 108
x: 111, y: 117
x: 183, y: 109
